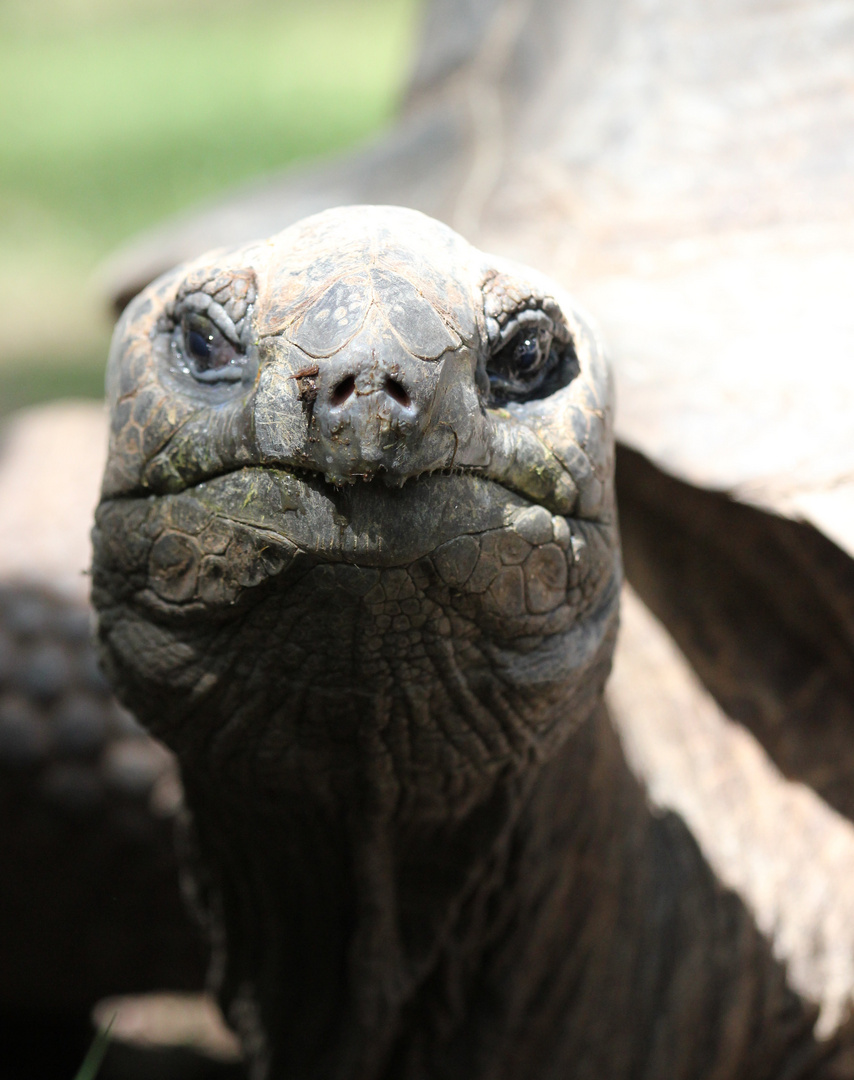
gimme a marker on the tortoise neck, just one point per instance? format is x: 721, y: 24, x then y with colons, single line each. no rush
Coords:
x: 502, y: 944
x: 344, y: 926
x: 354, y: 939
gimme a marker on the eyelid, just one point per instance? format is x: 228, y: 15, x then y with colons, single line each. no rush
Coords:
x: 219, y: 375
x: 201, y: 304
x: 523, y: 320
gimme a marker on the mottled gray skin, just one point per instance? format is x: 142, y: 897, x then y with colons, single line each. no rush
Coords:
x: 373, y: 616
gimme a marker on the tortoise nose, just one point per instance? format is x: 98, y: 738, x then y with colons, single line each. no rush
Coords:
x: 370, y: 408
x: 343, y: 391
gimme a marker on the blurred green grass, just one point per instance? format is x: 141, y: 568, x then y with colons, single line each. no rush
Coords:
x: 117, y: 113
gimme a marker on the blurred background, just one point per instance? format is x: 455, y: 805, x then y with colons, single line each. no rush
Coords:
x: 117, y: 113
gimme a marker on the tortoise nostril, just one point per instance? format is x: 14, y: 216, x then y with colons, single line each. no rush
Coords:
x: 343, y: 390
x: 397, y: 392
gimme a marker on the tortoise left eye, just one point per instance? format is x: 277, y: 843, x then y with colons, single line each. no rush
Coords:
x: 518, y: 371
x: 209, y: 355
x: 529, y: 352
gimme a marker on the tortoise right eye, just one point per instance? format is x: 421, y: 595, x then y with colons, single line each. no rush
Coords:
x: 209, y: 356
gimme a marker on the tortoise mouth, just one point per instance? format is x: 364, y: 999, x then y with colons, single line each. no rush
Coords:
x: 522, y: 465
x: 514, y: 482
x: 365, y: 523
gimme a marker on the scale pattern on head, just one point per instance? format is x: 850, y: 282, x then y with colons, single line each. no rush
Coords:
x: 365, y: 472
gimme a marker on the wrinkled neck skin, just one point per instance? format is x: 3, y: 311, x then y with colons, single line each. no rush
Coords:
x: 420, y: 869
x: 373, y: 932
x: 364, y: 758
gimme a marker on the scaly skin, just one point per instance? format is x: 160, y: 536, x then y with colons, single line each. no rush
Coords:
x: 373, y: 615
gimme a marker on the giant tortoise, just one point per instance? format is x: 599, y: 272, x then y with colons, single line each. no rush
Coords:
x: 683, y: 172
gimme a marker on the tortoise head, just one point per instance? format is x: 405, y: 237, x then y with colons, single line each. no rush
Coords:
x: 360, y: 475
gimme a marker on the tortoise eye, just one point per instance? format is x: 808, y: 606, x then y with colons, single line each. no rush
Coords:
x: 208, y: 354
x: 529, y: 352
x: 519, y: 369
